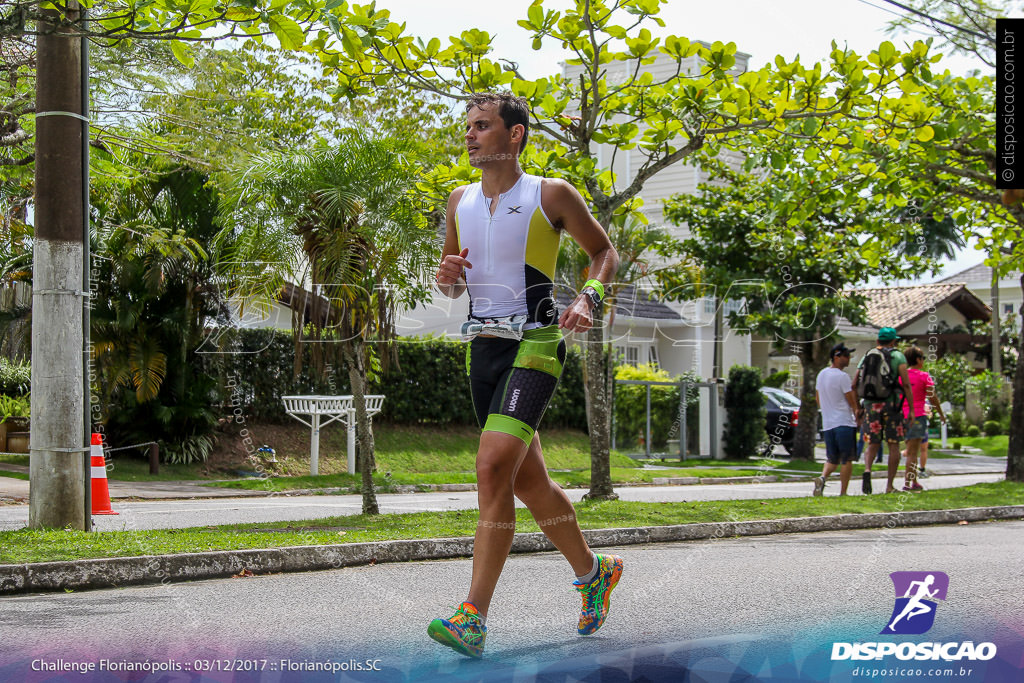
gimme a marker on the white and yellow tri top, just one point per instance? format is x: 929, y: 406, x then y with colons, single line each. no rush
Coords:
x: 513, y: 252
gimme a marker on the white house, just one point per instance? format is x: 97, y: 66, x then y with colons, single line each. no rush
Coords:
x: 978, y: 279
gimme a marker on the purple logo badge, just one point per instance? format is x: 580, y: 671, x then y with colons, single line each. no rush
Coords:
x: 916, y: 592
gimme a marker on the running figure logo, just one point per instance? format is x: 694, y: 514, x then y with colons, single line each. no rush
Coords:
x: 914, y: 612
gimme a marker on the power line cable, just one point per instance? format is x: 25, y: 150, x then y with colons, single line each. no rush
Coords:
x: 929, y: 17
x: 895, y: 14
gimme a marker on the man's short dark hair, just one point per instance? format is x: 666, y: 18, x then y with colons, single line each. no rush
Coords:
x: 512, y: 110
x: 913, y: 354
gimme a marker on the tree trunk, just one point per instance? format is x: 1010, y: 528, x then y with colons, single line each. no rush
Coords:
x: 812, y: 358
x: 56, y: 464
x: 1015, y: 452
x: 598, y: 379
x: 365, y: 461
x: 996, y: 336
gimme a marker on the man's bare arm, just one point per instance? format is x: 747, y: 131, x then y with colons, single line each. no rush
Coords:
x: 449, y: 278
x: 564, y: 205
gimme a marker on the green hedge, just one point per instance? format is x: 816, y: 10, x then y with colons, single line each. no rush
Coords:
x: 427, y: 384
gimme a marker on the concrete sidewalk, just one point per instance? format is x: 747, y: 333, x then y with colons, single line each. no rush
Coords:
x: 176, y: 514
x: 16, y: 490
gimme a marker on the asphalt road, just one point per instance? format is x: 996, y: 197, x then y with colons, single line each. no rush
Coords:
x: 768, y: 605
x: 203, y: 512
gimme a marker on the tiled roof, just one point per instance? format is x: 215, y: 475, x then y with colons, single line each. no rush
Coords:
x: 630, y: 302
x: 847, y: 330
x: 978, y: 275
x: 899, y: 306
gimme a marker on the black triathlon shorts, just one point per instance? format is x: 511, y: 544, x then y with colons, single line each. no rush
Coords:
x: 513, y: 381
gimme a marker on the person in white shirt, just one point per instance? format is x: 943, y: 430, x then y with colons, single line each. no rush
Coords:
x: 838, y: 403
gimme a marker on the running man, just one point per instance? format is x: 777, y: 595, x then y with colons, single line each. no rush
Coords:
x: 501, y: 246
x: 914, y: 606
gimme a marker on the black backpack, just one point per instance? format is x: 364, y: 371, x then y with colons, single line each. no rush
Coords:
x: 877, y: 380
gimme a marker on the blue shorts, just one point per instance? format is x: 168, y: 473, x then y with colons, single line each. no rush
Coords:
x: 841, y: 445
x: 918, y: 428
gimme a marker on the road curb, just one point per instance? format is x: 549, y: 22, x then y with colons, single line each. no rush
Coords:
x: 152, y: 569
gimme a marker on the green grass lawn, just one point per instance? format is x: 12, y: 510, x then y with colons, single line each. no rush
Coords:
x: 14, y: 475
x: 432, y: 449
x: 571, y: 478
x: 995, y: 446
x: 26, y: 545
x: 126, y: 468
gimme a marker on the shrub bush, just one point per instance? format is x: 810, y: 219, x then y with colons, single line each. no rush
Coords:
x: 992, y: 428
x: 14, y: 406
x: 776, y: 379
x: 956, y: 445
x: 957, y: 424
x: 745, y: 412
x: 427, y: 383
x: 15, y: 377
x: 973, y: 431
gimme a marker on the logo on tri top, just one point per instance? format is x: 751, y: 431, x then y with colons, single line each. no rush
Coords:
x: 515, y: 399
x: 914, y: 611
x: 514, y: 209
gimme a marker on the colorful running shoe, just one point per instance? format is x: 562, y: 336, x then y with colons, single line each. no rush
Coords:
x: 596, y: 593
x: 464, y: 632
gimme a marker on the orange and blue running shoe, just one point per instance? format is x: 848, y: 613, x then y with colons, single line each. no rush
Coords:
x: 596, y: 593
x: 464, y: 632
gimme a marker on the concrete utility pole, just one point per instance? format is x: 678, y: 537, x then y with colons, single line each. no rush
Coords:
x: 57, y: 466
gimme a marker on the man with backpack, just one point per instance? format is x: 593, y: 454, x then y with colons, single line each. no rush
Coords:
x: 883, y: 386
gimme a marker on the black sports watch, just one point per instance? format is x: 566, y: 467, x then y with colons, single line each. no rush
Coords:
x: 592, y: 294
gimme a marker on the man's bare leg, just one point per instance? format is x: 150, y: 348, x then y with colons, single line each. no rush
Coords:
x: 552, y: 509
x: 844, y: 477
x: 496, y: 464
x: 869, y: 458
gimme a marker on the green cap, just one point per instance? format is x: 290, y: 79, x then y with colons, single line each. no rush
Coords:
x: 887, y: 334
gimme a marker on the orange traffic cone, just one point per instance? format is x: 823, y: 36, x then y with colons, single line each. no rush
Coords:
x: 100, y: 491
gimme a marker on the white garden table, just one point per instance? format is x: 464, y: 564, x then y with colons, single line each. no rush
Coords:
x: 333, y: 407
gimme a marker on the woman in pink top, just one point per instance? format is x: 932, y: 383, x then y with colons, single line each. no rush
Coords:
x: 922, y: 386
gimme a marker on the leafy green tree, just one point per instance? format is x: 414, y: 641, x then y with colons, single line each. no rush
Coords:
x: 950, y: 161
x: 796, y: 265
x: 611, y: 99
x: 950, y: 373
x: 367, y: 244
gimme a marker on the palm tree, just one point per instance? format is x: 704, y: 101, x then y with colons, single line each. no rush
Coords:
x: 367, y: 244
x: 156, y: 287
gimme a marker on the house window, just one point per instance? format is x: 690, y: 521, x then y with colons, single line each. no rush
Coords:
x: 733, y: 305
x: 1007, y: 309
x: 632, y: 355
x: 709, y: 305
x: 652, y: 355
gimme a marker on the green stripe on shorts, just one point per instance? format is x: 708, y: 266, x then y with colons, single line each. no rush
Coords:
x: 509, y: 425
